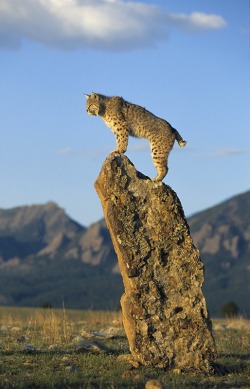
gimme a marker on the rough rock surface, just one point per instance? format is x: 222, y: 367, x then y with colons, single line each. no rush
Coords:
x: 164, y: 310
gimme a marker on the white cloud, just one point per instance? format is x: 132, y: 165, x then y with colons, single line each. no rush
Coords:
x: 66, y: 151
x: 228, y: 151
x: 197, y: 21
x: 104, y: 24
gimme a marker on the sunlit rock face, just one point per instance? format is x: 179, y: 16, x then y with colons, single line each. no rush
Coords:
x: 164, y: 310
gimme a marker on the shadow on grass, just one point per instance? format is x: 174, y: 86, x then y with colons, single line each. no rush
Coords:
x: 243, y: 357
x: 208, y: 384
x: 113, y: 352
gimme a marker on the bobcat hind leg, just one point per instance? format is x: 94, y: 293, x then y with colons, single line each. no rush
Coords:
x: 161, y: 165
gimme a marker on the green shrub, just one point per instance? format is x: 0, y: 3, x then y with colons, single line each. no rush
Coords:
x: 229, y: 310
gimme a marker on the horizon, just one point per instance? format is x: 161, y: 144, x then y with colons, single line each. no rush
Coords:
x: 97, y: 221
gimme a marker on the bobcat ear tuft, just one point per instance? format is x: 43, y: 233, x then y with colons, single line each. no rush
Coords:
x: 87, y: 96
x: 95, y: 95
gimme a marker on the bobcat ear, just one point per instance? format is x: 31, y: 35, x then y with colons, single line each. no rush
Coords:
x: 87, y: 96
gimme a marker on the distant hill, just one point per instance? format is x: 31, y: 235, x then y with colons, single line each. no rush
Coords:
x: 46, y: 257
x: 222, y: 233
x: 34, y: 229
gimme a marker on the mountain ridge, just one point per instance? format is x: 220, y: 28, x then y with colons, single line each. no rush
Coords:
x: 43, y: 253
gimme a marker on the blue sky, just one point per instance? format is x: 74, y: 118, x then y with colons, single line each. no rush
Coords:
x: 185, y: 61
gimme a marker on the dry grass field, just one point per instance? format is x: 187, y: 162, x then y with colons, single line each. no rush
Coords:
x: 47, y: 348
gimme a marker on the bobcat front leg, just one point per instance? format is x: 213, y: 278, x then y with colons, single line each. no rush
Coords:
x: 121, y: 136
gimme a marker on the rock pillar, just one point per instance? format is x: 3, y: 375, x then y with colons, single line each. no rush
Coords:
x: 164, y: 311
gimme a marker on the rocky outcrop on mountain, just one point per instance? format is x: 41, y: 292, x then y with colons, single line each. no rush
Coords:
x: 164, y: 310
x: 93, y: 246
x: 224, y: 228
x: 42, y: 222
x: 36, y: 229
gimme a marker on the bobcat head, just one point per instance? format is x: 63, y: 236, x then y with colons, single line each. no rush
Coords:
x: 95, y: 104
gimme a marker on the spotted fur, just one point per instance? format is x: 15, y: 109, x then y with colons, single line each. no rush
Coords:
x: 125, y: 119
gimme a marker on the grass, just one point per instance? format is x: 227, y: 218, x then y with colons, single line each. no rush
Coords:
x: 38, y: 350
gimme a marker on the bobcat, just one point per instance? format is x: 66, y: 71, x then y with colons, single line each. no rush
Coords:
x: 126, y: 119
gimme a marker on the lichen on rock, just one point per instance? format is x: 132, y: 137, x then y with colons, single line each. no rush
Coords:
x: 164, y: 311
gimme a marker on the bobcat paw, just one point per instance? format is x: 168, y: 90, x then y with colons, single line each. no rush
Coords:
x: 159, y: 178
x: 161, y: 174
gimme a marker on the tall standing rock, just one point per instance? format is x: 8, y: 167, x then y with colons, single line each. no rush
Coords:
x: 164, y: 310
